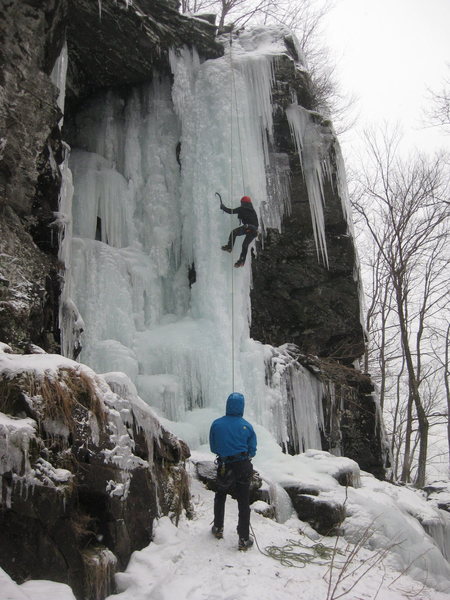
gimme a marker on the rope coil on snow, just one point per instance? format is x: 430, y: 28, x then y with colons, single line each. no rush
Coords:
x: 289, y: 555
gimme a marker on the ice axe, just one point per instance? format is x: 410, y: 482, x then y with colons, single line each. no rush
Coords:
x: 220, y: 198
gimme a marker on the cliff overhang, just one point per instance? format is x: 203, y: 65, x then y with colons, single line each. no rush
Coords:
x: 142, y: 32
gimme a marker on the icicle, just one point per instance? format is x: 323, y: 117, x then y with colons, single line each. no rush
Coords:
x: 282, y: 502
x: 59, y: 75
x: 336, y: 406
x: 15, y: 438
x: 439, y: 529
x: 314, y: 157
x: 295, y: 416
x: 305, y: 409
x: 70, y: 320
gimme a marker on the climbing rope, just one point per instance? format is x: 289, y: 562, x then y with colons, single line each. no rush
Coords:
x: 230, y: 195
x: 291, y: 554
x: 233, y: 97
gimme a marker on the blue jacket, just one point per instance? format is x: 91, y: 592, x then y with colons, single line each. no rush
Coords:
x: 231, y: 434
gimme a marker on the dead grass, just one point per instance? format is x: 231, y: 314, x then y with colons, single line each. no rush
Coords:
x: 52, y: 399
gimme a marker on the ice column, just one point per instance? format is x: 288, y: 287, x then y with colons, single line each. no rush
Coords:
x: 305, y: 418
x: 225, y: 110
x: 71, y: 323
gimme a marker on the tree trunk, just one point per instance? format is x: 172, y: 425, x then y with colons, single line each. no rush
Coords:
x: 447, y: 390
x: 414, y: 396
x: 406, y: 469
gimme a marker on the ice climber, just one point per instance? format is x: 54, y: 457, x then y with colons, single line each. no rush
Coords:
x: 233, y: 439
x: 249, y: 227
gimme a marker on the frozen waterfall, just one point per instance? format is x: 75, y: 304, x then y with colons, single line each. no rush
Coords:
x: 156, y: 296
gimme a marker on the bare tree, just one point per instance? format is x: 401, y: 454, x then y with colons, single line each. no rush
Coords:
x: 198, y: 6
x: 447, y: 386
x: 404, y: 206
x: 437, y: 113
x: 235, y: 12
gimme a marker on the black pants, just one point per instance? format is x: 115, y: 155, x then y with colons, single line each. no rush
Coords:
x: 250, y: 235
x: 242, y: 471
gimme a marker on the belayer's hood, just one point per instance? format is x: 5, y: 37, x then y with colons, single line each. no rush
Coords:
x: 235, y: 405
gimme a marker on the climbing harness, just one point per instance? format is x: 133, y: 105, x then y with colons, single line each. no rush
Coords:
x: 291, y: 554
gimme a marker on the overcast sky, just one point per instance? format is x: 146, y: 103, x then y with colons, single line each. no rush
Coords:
x: 388, y: 52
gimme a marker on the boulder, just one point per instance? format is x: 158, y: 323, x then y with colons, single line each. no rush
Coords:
x: 325, y: 516
x: 264, y: 509
x: 438, y: 492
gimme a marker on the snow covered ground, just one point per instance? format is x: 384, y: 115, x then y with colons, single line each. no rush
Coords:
x: 387, y: 549
x: 188, y: 563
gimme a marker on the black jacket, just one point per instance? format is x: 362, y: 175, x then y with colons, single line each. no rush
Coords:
x: 246, y: 213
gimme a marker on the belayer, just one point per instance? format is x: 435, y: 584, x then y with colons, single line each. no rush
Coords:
x: 233, y: 439
x: 249, y: 226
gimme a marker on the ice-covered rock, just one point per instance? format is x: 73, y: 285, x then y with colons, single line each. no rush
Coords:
x: 85, y: 468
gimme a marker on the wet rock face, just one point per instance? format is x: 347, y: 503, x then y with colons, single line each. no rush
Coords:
x: 31, y: 36
x: 30, y: 148
x: 28, y: 288
x: 81, y: 485
x: 353, y: 424
x: 296, y: 297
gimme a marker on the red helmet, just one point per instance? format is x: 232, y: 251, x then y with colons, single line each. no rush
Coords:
x: 246, y: 199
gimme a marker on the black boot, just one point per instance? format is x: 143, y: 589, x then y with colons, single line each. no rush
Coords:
x: 239, y: 263
x: 217, y: 532
x: 245, y: 544
x: 227, y: 248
